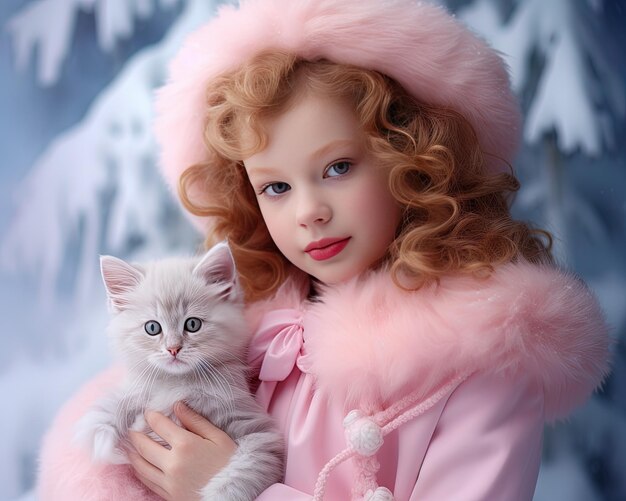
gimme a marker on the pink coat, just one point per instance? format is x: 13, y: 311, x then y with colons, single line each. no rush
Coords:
x: 452, y: 385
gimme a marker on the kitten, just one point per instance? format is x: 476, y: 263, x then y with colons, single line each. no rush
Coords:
x: 179, y: 329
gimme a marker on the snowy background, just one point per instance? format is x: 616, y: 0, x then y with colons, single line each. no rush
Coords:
x: 78, y: 179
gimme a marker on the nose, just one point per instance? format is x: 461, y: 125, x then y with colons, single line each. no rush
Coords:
x: 174, y: 350
x: 312, y: 209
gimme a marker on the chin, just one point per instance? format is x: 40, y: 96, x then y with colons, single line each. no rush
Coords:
x: 336, y: 278
x: 175, y: 368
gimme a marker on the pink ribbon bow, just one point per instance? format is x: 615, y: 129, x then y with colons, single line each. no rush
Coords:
x: 280, y: 341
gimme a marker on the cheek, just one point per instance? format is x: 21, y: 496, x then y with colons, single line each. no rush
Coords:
x: 276, y: 223
x: 148, y: 344
x: 196, y: 342
x: 374, y: 204
x: 135, y: 348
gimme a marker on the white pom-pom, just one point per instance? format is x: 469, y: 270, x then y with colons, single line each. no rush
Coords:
x: 364, y: 435
x: 380, y: 494
x: 351, y: 417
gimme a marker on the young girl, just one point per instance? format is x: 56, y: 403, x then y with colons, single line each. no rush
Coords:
x: 410, y: 338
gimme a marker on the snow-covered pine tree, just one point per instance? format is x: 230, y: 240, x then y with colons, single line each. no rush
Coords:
x: 81, y: 192
x: 572, y: 87
x: 95, y: 189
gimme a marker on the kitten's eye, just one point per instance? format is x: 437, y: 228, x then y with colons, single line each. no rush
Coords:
x: 153, y: 328
x: 193, y: 324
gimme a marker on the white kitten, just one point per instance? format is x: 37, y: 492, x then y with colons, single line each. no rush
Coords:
x: 179, y: 329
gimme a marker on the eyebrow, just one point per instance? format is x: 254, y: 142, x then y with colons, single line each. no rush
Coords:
x: 260, y: 171
x: 320, y: 152
x: 337, y: 143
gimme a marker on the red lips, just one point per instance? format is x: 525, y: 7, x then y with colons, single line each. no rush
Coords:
x: 326, y: 248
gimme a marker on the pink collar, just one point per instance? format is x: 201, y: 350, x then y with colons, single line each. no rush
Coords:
x: 367, y: 342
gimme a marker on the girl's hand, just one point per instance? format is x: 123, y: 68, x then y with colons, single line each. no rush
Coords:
x: 198, y: 451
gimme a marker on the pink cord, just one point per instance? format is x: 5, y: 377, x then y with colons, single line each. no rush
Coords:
x: 395, y: 422
x: 367, y: 469
x: 320, y: 485
x: 424, y: 406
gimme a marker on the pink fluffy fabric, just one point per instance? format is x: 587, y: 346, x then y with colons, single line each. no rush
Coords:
x: 67, y: 472
x: 434, y: 57
x: 371, y: 342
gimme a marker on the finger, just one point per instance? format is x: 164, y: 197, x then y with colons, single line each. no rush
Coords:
x: 163, y: 426
x: 148, y: 474
x: 149, y: 450
x: 195, y: 422
x: 157, y: 489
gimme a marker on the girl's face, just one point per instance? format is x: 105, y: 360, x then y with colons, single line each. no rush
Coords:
x: 324, y: 200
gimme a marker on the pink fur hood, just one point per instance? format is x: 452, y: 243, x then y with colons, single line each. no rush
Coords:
x: 369, y: 342
x: 434, y: 57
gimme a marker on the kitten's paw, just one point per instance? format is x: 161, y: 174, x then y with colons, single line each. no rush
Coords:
x: 100, y: 438
x: 106, y: 446
x: 140, y: 424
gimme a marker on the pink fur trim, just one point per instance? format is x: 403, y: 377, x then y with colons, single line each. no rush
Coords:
x: 370, y: 341
x: 288, y: 296
x: 434, y: 57
x: 67, y: 472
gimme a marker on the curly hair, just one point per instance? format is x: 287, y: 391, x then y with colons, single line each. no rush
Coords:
x: 456, y: 214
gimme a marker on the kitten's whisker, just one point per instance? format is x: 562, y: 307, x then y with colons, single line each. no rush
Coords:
x: 153, y: 377
x: 215, y: 375
x: 219, y: 382
x: 216, y: 361
x: 213, y: 360
x: 208, y: 375
x: 132, y: 370
x: 144, y: 381
x: 201, y: 372
x: 125, y: 402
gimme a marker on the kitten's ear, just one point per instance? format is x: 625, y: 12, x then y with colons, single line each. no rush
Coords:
x: 218, y: 267
x: 119, y: 279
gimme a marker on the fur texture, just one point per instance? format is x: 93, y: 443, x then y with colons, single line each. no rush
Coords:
x: 65, y: 468
x: 434, y: 57
x: 371, y: 343
x: 179, y: 328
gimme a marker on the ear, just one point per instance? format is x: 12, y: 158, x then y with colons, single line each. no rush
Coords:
x: 119, y: 279
x: 218, y: 267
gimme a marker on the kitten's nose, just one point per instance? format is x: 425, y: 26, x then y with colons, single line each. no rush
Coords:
x: 174, y: 350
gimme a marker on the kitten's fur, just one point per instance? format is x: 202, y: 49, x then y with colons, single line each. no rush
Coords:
x: 207, y: 372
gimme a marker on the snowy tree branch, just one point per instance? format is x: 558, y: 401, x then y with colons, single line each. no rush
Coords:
x: 47, y: 26
x: 111, y: 150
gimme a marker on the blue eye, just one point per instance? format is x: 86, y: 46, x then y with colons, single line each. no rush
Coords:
x: 275, y: 189
x: 193, y: 324
x: 338, y: 169
x: 153, y: 327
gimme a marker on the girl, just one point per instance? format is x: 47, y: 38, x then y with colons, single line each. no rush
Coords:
x: 410, y: 338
